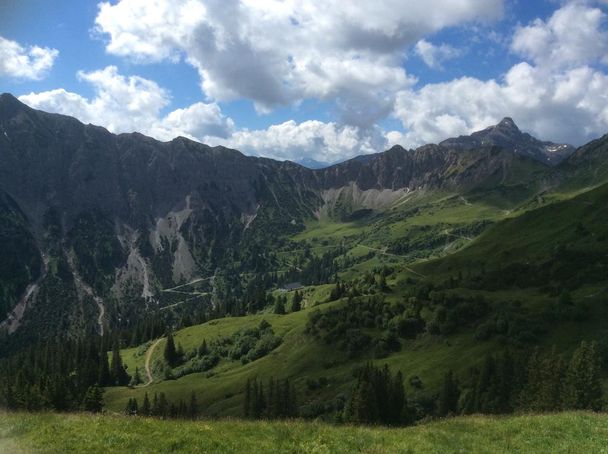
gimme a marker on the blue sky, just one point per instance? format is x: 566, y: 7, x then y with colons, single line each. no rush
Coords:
x: 293, y: 79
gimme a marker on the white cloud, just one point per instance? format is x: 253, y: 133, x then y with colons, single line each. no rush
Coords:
x: 569, y: 106
x: 20, y: 63
x: 573, y: 35
x: 434, y: 56
x: 557, y: 96
x: 127, y: 104
x: 278, y: 52
x: 326, y: 142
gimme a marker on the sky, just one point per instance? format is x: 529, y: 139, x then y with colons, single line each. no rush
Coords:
x: 309, y: 79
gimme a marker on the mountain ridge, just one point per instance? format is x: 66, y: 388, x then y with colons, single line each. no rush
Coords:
x: 132, y: 215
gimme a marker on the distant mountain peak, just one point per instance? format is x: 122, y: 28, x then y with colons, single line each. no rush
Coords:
x: 506, y: 134
x: 4, y: 97
x: 507, y: 123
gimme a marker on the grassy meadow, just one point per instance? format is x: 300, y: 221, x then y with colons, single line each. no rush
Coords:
x: 22, y: 433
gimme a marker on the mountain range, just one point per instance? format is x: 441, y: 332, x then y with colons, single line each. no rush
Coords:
x: 95, y: 226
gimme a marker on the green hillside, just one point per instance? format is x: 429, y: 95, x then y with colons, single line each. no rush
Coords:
x: 55, y: 433
x: 506, y: 289
x: 564, y: 242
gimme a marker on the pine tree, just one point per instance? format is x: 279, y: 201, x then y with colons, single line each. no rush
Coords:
x: 448, y: 398
x: 397, y: 400
x: 103, y: 377
x: 506, y: 382
x: 193, y: 406
x: 273, y: 399
x: 296, y: 305
x: 247, y: 403
x: 544, y: 387
x: 132, y: 407
x: 118, y: 373
x: 145, y: 406
x: 203, y: 349
x: 583, y: 390
x: 93, y: 399
x: 364, y: 407
x: 279, y: 306
x: 163, y: 405
x: 136, y: 378
x: 155, y: 410
x: 170, y: 353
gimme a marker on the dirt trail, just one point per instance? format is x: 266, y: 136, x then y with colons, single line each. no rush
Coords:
x: 384, y: 252
x: 147, y: 363
x: 195, y: 281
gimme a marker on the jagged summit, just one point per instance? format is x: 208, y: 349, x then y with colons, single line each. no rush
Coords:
x: 506, y: 134
x: 507, y: 123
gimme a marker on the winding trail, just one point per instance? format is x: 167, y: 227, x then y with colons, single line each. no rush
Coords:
x: 198, y: 295
x: 384, y: 252
x: 147, y: 363
x: 195, y: 281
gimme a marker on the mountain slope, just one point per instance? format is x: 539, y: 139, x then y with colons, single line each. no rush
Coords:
x: 562, y: 245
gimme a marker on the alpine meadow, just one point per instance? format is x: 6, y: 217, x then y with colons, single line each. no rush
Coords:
x: 297, y: 226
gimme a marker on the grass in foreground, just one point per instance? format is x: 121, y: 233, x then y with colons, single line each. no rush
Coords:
x: 56, y: 433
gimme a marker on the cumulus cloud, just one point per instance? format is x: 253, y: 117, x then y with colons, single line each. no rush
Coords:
x: 556, y: 95
x: 19, y: 62
x: 434, y: 56
x: 278, y: 52
x: 352, y: 54
x: 326, y: 142
x: 573, y: 35
x: 126, y: 104
x: 567, y: 106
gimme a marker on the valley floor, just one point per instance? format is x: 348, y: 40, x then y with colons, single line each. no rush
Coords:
x: 59, y: 433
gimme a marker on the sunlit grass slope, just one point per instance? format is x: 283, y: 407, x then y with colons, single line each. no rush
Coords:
x: 53, y: 433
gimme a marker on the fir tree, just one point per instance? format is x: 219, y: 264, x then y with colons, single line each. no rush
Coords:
x: 170, y: 352
x: 296, y: 305
x: 145, y: 406
x: 103, y: 377
x: 448, y: 398
x: 203, y: 349
x: 118, y: 373
x: 397, y: 400
x: 93, y: 399
x: 247, y: 403
x: 279, y: 306
x: 136, y: 378
x: 583, y: 389
x: 193, y: 406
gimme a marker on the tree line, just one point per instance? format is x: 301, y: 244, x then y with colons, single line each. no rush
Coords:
x: 161, y: 407
x: 274, y: 401
x: 63, y: 375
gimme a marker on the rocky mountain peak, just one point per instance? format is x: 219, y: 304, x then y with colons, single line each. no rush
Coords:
x: 506, y: 134
x: 9, y: 105
x: 507, y: 123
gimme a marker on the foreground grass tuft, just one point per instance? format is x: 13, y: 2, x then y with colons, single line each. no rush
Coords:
x: 58, y: 433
